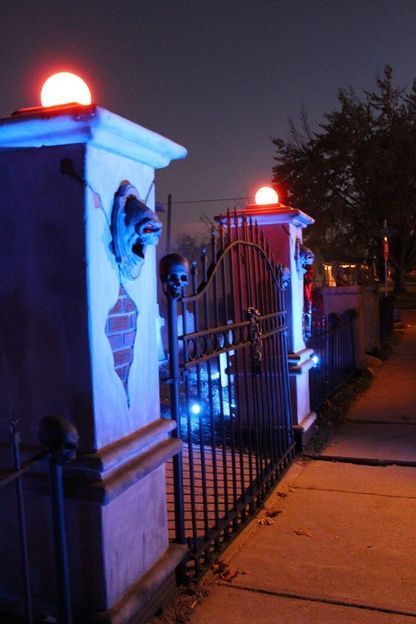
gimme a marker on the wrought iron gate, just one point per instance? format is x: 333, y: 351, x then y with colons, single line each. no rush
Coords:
x: 228, y: 379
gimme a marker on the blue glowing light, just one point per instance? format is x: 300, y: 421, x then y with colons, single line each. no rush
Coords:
x: 195, y: 408
x: 315, y: 360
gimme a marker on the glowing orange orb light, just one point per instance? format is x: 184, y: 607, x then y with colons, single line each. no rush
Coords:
x: 63, y: 88
x: 266, y: 195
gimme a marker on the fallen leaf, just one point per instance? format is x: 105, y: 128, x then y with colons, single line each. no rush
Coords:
x: 273, y: 514
x: 302, y: 532
x: 219, y: 567
x: 229, y: 576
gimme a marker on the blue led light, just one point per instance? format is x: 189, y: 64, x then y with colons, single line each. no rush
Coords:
x: 195, y: 408
x: 315, y: 360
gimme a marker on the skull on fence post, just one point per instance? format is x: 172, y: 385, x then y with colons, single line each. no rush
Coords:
x: 60, y: 437
x: 174, y: 273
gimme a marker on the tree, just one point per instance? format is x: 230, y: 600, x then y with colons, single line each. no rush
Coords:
x: 358, y: 169
x: 189, y: 244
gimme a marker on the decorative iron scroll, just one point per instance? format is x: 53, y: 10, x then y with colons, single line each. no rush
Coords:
x: 206, y: 344
x: 254, y: 317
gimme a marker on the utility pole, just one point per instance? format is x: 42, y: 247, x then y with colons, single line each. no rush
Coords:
x: 385, y: 256
x: 169, y: 224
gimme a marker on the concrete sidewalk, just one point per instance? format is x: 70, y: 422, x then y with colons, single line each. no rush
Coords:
x: 337, y: 541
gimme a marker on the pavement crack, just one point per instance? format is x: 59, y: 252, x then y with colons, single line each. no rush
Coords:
x: 362, y: 461
x: 322, y: 600
x: 359, y: 421
x: 318, y: 489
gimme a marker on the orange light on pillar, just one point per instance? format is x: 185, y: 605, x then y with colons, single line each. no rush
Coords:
x: 266, y: 195
x: 65, y: 88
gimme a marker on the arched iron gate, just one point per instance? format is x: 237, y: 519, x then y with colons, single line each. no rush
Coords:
x: 229, y: 387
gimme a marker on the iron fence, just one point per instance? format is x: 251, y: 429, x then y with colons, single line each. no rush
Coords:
x: 59, y: 440
x: 333, y: 342
x: 229, y: 387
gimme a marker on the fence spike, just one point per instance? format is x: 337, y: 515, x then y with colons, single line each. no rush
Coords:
x: 221, y: 234
x: 213, y: 245
x: 244, y: 227
x: 256, y: 231
x: 235, y: 219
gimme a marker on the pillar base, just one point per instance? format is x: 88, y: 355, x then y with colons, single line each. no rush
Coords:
x: 300, y: 362
x: 121, y: 565
x: 304, y: 431
x: 151, y: 593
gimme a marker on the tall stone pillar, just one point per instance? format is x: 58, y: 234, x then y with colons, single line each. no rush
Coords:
x: 283, y: 227
x: 78, y: 339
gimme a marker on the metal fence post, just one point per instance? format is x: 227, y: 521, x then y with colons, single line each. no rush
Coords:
x: 174, y: 273
x: 60, y: 437
x: 15, y: 444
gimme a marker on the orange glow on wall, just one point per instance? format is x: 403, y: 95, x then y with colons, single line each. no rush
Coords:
x: 64, y: 88
x: 266, y: 195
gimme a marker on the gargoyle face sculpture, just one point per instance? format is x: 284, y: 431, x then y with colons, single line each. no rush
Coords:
x: 307, y: 256
x: 304, y: 257
x: 133, y: 226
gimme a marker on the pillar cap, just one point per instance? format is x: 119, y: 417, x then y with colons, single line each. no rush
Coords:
x: 92, y: 125
x: 271, y: 214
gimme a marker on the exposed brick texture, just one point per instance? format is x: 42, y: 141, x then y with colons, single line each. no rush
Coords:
x: 121, y: 332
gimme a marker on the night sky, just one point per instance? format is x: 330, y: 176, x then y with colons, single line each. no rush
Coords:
x: 220, y: 78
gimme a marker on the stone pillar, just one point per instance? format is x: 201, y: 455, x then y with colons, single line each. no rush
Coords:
x: 282, y: 227
x: 364, y: 300
x: 79, y: 340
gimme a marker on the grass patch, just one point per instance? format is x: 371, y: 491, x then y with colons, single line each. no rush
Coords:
x: 335, y: 410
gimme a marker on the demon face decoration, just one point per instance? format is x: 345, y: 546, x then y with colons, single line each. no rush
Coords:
x: 133, y: 227
x: 304, y: 258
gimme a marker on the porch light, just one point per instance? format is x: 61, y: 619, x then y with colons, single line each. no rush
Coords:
x: 65, y: 88
x: 266, y: 195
